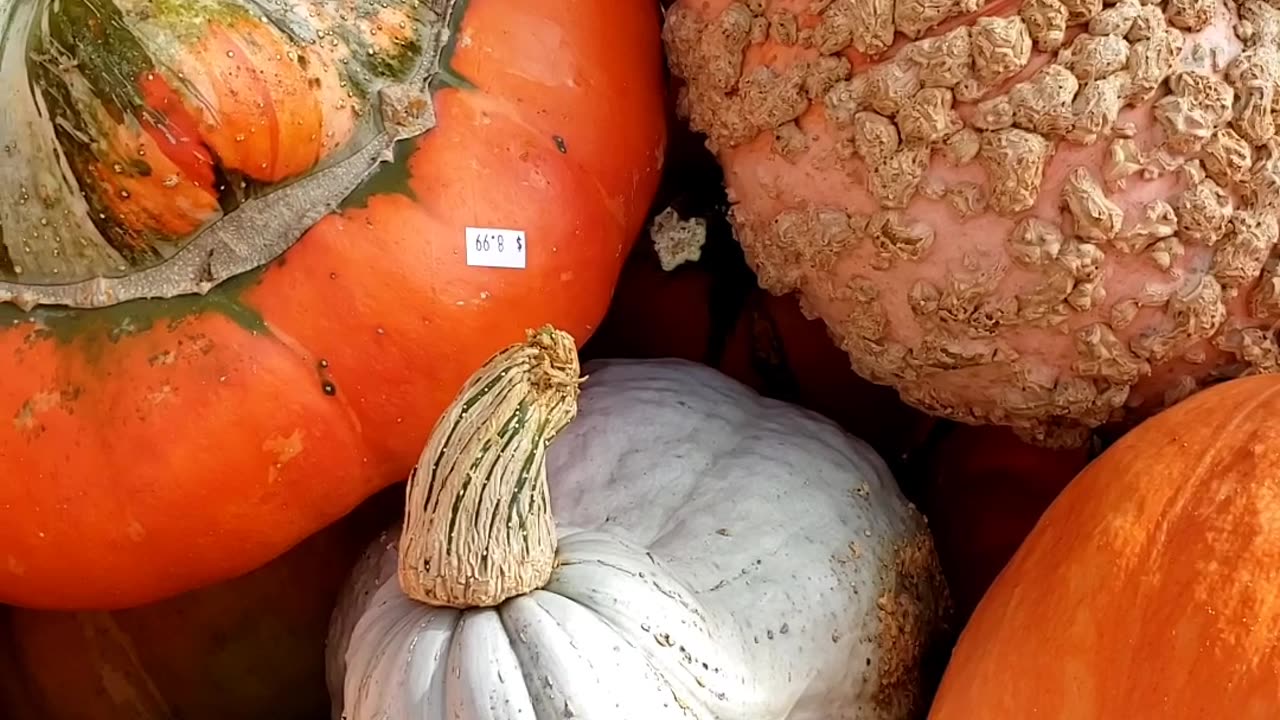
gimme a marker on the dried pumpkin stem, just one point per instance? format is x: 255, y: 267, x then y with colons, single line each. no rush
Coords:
x: 478, y: 527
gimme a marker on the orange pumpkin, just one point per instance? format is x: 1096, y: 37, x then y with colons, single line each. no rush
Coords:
x: 206, y: 362
x: 250, y: 648
x: 984, y: 489
x: 1149, y: 588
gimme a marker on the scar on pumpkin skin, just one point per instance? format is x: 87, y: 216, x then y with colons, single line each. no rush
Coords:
x: 283, y: 449
x: 27, y: 418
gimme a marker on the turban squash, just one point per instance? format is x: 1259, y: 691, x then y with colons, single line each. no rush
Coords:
x: 236, y: 292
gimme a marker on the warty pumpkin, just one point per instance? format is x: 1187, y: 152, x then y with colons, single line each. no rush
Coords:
x: 713, y: 554
x: 1047, y: 214
x: 250, y: 648
x: 235, y: 256
x: 1149, y: 588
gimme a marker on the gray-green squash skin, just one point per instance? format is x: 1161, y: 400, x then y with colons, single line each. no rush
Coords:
x: 722, y: 557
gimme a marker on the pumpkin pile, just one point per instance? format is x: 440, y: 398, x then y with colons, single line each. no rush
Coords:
x: 639, y: 360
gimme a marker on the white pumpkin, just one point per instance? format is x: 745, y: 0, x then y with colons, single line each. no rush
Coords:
x: 721, y: 556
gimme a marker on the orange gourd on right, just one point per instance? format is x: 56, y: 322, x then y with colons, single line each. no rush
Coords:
x: 1150, y: 588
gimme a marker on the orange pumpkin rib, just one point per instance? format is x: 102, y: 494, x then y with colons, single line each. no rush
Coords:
x: 263, y: 119
x: 295, y: 106
x: 253, y: 486
x: 602, y: 51
x: 175, y: 132
x: 156, y: 178
x: 1149, y: 588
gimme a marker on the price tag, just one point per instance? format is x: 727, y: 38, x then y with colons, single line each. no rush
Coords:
x: 496, y: 247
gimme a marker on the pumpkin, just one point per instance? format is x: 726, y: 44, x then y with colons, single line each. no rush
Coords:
x: 983, y: 490
x: 236, y: 256
x: 713, y: 554
x: 1149, y: 587
x: 1046, y: 214
x: 251, y: 647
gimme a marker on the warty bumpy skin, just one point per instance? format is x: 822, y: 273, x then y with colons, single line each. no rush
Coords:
x: 1049, y: 214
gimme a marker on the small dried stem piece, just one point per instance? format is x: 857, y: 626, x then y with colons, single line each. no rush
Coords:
x: 478, y: 527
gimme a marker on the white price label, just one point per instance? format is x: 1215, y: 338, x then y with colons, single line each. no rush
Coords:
x: 496, y: 247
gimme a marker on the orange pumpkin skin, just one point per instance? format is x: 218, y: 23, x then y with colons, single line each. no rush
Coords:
x: 251, y: 647
x: 1149, y: 588
x: 984, y: 489
x: 162, y: 445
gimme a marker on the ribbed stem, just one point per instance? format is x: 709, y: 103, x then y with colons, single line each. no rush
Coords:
x: 478, y: 527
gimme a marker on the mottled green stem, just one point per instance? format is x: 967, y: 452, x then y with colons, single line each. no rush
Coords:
x: 478, y: 527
